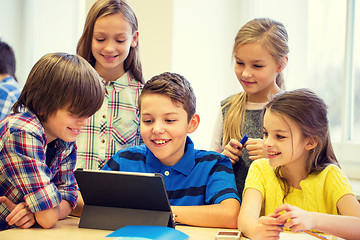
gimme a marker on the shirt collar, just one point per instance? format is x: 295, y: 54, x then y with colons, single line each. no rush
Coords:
x: 126, y: 80
x: 184, y: 166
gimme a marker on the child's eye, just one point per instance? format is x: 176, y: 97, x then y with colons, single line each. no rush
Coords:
x: 120, y: 41
x: 100, y: 39
x: 279, y: 136
x: 170, y: 120
x: 239, y: 63
x: 265, y: 134
x: 258, y: 66
x: 146, y: 121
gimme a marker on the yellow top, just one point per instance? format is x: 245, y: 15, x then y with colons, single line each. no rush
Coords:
x: 319, y: 192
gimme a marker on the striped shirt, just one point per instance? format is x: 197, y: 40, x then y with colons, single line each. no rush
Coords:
x: 24, y: 174
x: 199, y: 178
x: 9, y: 93
x: 114, y: 127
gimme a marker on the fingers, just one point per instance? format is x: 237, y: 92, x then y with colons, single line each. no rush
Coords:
x: 285, y: 207
x: 7, y: 202
x: 268, y: 227
x: 256, y: 148
x: 233, y: 150
x: 21, y: 216
x: 17, y: 213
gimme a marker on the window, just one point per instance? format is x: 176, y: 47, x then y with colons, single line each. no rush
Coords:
x: 324, y: 36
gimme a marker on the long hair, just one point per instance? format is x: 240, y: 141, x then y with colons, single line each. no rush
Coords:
x: 61, y: 80
x: 103, y: 8
x: 273, y: 36
x: 309, y: 112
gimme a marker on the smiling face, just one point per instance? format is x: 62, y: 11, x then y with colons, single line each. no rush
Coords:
x: 256, y: 71
x: 164, y: 127
x: 112, y: 39
x: 284, y: 141
x: 64, y: 125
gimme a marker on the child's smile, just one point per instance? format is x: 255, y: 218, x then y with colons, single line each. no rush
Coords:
x: 164, y: 127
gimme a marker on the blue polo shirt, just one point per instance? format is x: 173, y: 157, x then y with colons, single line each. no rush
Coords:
x: 199, y: 178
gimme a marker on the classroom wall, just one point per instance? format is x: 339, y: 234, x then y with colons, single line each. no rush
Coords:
x: 192, y: 38
x: 36, y: 27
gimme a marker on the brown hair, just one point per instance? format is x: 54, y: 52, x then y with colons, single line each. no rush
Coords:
x: 310, y: 113
x: 60, y: 80
x: 7, y: 60
x: 273, y: 36
x: 103, y: 8
x: 176, y: 87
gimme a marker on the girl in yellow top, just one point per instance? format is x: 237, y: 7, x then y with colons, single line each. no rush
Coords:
x: 300, y: 185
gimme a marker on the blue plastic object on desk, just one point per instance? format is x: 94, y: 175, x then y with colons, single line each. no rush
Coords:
x: 133, y: 232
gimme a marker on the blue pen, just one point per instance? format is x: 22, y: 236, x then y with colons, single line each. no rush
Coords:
x: 243, y: 140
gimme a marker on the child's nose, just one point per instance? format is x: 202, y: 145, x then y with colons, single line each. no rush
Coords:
x: 246, y: 73
x: 267, y: 142
x: 84, y: 121
x: 109, y: 46
x: 158, y: 128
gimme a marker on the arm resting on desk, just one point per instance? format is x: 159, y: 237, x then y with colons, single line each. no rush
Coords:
x: 222, y: 215
x: 346, y: 225
x: 48, y: 218
x: 77, y: 211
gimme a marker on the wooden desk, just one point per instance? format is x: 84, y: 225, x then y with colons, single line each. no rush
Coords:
x: 67, y: 229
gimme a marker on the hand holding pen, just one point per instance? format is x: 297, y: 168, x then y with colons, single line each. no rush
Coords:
x: 296, y: 219
x: 233, y: 149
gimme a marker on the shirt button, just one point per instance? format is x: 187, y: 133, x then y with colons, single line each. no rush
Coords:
x: 102, y: 141
x: 104, y: 116
x: 166, y: 173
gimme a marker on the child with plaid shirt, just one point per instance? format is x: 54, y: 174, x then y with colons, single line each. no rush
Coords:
x: 37, y: 141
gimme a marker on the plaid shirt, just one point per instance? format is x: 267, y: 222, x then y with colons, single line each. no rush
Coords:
x: 24, y: 175
x: 114, y: 127
x: 9, y: 93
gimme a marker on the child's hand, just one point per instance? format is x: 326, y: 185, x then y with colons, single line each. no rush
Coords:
x: 233, y: 150
x: 256, y: 148
x: 294, y: 218
x: 268, y: 227
x: 20, y: 215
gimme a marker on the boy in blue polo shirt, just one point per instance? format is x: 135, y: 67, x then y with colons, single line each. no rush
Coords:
x: 200, y: 184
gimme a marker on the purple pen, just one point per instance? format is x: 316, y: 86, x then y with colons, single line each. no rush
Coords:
x: 243, y: 140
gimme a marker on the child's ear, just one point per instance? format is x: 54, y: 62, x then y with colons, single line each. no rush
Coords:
x: 194, y: 123
x: 135, y: 39
x: 312, y: 142
x: 282, y: 64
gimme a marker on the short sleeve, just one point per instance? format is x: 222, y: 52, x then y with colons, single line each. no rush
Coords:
x: 337, y: 183
x: 255, y: 178
x: 221, y: 184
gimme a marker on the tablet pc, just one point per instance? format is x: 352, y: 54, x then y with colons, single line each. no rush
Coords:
x: 114, y: 199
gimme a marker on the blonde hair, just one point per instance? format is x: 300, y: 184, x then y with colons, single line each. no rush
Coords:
x: 103, y: 8
x: 273, y: 36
